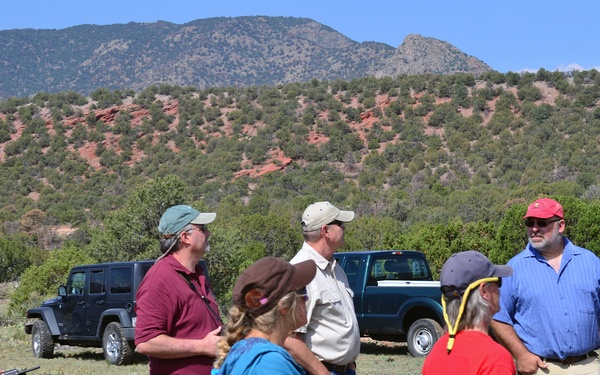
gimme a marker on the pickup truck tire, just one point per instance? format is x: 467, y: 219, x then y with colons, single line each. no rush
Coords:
x: 422, y: 335
x: 116, y: 348
x: 41, y: 340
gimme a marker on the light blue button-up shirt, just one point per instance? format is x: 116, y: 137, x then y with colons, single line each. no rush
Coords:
x: 556, y: 315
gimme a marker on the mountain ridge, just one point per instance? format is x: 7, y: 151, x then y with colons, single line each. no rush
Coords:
x: 212, y: 52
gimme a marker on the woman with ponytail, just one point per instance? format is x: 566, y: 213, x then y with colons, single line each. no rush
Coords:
x: 269, y: 302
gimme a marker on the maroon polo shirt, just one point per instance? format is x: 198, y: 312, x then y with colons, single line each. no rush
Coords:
x: 166, y: 304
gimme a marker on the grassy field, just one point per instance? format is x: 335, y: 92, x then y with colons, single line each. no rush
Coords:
x: 377, y: 358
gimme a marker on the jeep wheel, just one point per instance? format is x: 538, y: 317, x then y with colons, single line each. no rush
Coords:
x: 422, y: 335
x: 41, y: 340
x: 116, y: 347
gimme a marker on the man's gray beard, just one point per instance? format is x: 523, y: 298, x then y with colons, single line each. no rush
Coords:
x: 545, y: 245
x: 539, y: 246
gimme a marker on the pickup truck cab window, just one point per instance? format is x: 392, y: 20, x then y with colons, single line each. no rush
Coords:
x: 351, y: 270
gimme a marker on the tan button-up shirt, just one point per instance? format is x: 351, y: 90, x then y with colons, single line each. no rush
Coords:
x: 332, y: 332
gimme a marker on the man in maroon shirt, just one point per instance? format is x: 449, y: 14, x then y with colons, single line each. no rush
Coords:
x: 178, y: 321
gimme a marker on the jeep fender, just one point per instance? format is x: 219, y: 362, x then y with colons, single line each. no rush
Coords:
x: 119, y: 315
x: 421, y: 303
x: 47, y: 315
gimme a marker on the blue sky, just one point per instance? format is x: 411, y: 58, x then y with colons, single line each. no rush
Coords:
x: 508, y: 35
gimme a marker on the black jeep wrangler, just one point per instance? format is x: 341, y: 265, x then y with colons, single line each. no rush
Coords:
x: 95, y: 309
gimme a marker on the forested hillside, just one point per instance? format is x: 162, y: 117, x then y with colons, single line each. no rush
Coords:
x: 428, y: 162
x: 210, y: 52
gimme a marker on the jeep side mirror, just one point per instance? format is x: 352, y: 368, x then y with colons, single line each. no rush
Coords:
x: 62, y: 291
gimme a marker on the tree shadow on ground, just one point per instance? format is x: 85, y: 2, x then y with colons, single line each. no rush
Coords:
x: 94, y: 354
x: 369, y: 346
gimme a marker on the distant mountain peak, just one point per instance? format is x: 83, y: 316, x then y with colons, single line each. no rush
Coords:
x: 418, y: 54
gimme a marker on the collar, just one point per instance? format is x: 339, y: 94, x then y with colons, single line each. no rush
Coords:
x: 321, y: 262
x: 178, y: 267
x: 569, y: 251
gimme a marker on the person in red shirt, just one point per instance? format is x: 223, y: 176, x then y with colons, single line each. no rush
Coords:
x: 178, y: 322
x: 470, y: 286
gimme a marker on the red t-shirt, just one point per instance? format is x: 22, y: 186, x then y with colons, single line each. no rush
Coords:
x: 473, y: 353
x: 166, y: 304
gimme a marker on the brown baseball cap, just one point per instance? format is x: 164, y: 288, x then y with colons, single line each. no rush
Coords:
x: 260, y: 287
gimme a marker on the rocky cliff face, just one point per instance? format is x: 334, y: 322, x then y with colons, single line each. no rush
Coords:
x: 418, y: 55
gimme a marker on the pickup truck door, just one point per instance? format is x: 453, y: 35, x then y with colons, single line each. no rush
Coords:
x: 355, y: 274
x: 391, y: 281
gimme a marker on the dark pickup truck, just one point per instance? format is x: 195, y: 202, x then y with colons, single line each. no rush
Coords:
x: 395, y: 297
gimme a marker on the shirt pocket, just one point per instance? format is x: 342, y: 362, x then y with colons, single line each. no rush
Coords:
x: 332, y: 303
x: 331, y: 296
x: 586, y: 298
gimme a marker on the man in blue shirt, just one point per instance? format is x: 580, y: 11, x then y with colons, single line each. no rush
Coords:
x: 550, y: 308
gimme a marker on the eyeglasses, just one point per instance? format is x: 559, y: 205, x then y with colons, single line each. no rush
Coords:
x: 539, y: 223
x: 338, y: 223
x: 200, y: 228
x: 301, y: 293
x: 499, y: 282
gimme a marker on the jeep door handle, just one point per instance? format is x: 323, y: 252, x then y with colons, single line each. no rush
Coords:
x: 99, y: 302
x: 82, y: 303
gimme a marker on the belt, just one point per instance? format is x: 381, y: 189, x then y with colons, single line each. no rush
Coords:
x: 336, y: 368
x: 573, y: 359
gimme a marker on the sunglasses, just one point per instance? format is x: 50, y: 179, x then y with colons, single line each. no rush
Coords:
x: 539, y: 223
x: 338, y: 223
x: 499, y: 282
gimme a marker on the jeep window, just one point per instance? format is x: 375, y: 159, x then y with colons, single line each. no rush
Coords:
x: 120, y: 280
x: 76, y: 283
x: 145, y: 270
x: 96, y: 282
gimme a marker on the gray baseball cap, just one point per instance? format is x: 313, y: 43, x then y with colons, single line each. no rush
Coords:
x: 462, y: 269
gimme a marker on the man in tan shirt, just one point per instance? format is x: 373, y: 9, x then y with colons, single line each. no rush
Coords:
x: 330, y: 342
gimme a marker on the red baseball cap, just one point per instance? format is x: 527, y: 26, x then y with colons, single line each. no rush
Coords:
x: 544, y: 208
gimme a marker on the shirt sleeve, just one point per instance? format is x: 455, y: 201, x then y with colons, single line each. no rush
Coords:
x: 152, y: 309
x: 507, y: 301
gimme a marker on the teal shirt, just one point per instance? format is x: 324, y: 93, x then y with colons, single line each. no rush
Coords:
x: 258, y: 356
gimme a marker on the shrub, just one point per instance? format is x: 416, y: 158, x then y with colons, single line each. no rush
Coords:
x: 16, y: 256
x: 38, y: 282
